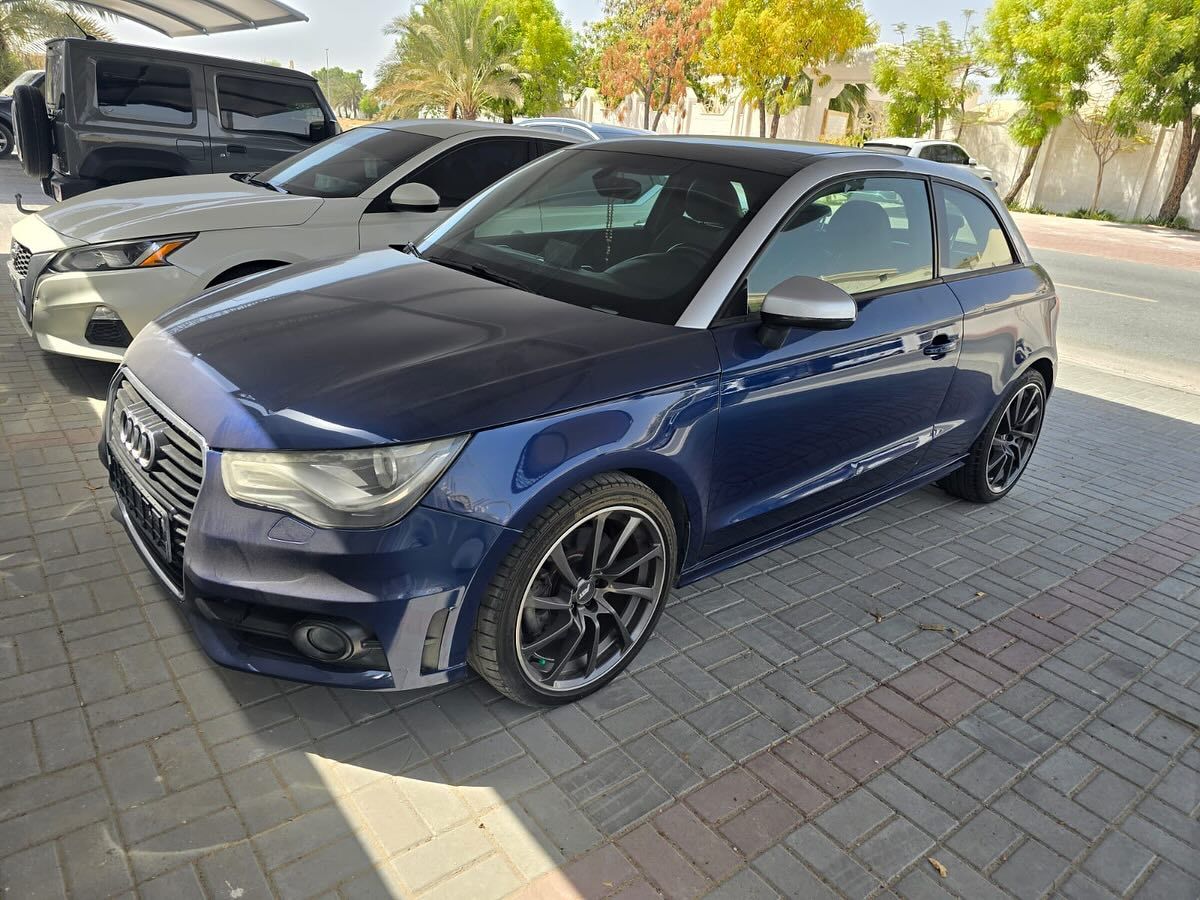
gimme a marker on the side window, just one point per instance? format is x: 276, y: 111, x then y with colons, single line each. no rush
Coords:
x: 144, y: 92
x: 969, y: 233
x: 933, y: 153
x: 955, y: 155
x: 278, y: 107
x: 864, y: 235
x: 461, y: 173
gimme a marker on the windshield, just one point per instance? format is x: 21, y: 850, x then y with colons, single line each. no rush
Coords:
x: 27, y: 77
x: 346, y: 165
x: 626, y: 233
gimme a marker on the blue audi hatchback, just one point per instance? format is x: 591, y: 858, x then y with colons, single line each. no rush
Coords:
x: 624, y: 367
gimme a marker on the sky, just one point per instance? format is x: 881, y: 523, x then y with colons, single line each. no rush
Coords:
x: 351, y: 31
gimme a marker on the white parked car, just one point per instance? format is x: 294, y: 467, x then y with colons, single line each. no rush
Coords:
x: 91, y: 272
x: 935, y: 151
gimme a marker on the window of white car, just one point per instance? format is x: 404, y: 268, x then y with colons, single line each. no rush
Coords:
x: 346, y: 165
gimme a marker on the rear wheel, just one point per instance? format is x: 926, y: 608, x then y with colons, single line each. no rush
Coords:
x: 579, y: 595
x: 999, y: 457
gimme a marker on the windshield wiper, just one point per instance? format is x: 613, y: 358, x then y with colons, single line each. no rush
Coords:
x: 247, y: 178
x: 481, y: 271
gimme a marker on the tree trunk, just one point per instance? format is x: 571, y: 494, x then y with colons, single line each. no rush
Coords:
x: 762, y: 118
x: 787, y: 80
x: 1185, y: 165
x: 646, y: 109
x: 1023, y: 176
x: 1096, y: 193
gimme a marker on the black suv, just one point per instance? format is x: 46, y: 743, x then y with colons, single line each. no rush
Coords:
x: 114, y: 113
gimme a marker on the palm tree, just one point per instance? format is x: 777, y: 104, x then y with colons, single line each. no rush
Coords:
x: 854, y: 100
x: 25, y: 26
x: 449, y: 57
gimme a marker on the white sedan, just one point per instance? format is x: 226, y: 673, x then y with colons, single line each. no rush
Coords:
x: 92, y: 272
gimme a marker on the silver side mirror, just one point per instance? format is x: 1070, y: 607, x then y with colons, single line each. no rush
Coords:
x: 804, y: 302
x: 414, y: 197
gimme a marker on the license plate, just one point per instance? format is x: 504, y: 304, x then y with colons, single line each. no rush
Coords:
x: 150, y: 518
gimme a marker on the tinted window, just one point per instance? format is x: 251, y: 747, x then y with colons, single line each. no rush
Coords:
x: 863, y: 235
x: 144, y: 92
x: 461, y: 173
x: 970, y: 234
x: 346, y: 165
x: 954, y: 155
x: 625, y: 233
x: 253, y: 104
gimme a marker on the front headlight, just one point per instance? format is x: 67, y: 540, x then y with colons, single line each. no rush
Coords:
x: 148, y: 253
x: 340, y: 488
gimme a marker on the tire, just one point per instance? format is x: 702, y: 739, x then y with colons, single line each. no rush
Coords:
x: 33, y: 131
x: 974, y: 481
x: 6, y: 141
x: 516, y: 614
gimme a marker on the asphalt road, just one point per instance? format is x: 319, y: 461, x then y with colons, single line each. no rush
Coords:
x: 1137, y: 319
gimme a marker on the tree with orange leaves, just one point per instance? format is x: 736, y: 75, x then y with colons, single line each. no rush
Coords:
x: 646, y: 47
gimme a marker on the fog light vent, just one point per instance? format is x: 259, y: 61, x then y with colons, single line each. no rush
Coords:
x: 327, y: 641
x: 431, y: 653
x: 105, y: 329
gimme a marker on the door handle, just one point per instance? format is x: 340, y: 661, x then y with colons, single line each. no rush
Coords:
x: 235, y: 148
x: 942, y: 345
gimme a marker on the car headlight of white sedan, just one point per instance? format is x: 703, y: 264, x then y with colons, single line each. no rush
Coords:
x: 145, y: 253
x: 369, y: 488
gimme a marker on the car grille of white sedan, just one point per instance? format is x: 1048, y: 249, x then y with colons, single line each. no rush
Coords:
x: 20, y: 258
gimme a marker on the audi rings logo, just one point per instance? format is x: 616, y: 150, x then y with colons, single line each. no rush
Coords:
x: 140, y: 439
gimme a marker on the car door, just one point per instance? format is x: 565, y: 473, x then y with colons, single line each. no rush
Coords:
x: 256, y: 121
x: 458, y: 174
x: 831, y: 416
x: 157, y: 106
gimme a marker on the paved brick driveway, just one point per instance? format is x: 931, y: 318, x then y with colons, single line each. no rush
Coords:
x: 1013, y: 691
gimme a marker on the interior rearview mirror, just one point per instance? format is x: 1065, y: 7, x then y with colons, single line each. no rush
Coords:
x: 414, y: 197
x: 804, y: 302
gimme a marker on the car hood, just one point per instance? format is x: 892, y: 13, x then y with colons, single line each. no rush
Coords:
x: 383, y: 348
x: 181, y: 205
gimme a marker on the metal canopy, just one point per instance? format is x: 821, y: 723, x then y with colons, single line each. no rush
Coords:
x: 185, y: 18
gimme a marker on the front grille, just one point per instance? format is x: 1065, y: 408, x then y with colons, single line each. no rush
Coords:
x: 107, y: 333
x: 20, y: 258
x: 172, y: 479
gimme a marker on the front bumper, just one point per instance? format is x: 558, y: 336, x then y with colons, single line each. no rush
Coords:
x: 63, y: 304
x: 394, y: 582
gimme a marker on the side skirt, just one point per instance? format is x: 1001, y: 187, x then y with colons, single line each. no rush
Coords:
x: 792, y: 533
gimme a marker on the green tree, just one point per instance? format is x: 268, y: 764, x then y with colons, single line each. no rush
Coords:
x: 1155, y: 58
x: 923, y: 79
x: 368, y: 106
x: 1045, y: 53
x: 776, y: 49
x: 344, y: 90
x: 449, y: 58
x: 25, y: 26
x: 544, y: 52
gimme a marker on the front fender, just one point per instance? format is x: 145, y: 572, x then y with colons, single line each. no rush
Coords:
x: 508, y: 475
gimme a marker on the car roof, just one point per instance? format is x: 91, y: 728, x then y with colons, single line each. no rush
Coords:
x: 448, y: 128
x: 760, y: 154
x: 908, y: 142
x: 166, y: 54
x: 774, y: 157
x: 592, y: 126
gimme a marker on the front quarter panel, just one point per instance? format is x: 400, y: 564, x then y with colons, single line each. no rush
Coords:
x: 509, y: 475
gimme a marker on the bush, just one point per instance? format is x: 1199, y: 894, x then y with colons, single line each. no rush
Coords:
x: 1179, y: 223
x: 1099, y: 215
